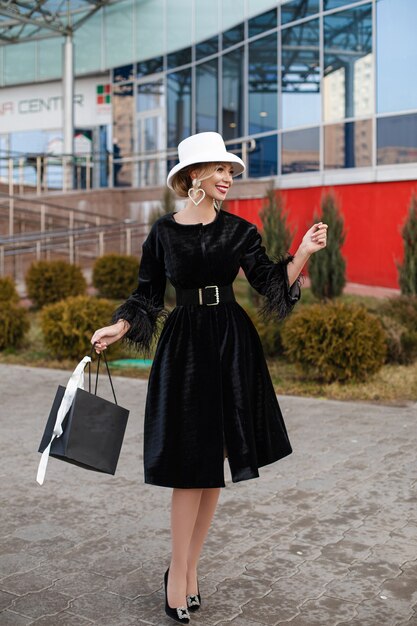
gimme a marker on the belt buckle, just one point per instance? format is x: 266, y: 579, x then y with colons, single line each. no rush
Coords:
x: 216, y: 293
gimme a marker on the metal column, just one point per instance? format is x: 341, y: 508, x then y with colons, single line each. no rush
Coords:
x: 68, y: 111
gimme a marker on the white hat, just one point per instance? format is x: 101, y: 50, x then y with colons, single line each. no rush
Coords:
x: 204, y: 148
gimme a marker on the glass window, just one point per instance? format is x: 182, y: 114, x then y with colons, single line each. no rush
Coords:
x: 233, y: 12
x: 20, y: 63
x: 348, y: 82
x: 179, y: 15
x: 396, y: 53
x: 233, y: 36
x: 206, y: 19
x: 123, y: 128
x: 301, y: 102
x: 124, y: 73
x: 297, y: 9
x: 50, y: 58
x: 151, y: 66
x: 118, y: 33
x: 263, y: 161
x: 348, y: 145
x: 335, y: 4
x: 88, y: 52
x: 179, y: 106
x: 232, y: 106
x: 262, y: 23
x: 150, y: 96
x: 301, y: 151
x: 206, y: 48
x: 397, y: 139
x: 263, y: 79
x: 180, y: 57
x: 206, y: 94
x: 150, y: 31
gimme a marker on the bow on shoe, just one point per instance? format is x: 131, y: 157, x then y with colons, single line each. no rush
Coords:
x: 193, y: 600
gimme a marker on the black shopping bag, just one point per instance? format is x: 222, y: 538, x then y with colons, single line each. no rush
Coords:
x: 92, y: 429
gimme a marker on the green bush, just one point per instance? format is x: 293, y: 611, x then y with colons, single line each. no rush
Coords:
x: 327, y: 267
x: 51, y: 281
x: 115, y: 276
x: 269, y: 333
x: 14, y: 323
x: 399, y: 318
x: 8, y: 291
x: 68, y: 326
x: 335, y: 341
x: 408, y: 269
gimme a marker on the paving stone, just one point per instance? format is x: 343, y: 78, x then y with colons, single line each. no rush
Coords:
x: 317, y: 539
x: 6, y: 600
x: 43, y: 602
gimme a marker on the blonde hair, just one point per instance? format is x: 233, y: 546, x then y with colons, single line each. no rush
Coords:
x: 182, y: 181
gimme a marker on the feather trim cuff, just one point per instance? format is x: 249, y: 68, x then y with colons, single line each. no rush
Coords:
x: 280, y: 298
x: 144, y: 317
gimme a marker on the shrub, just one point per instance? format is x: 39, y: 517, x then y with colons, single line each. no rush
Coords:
x: 269, y: 333
x: 335, y: 341
x: 68, y: 326
x: 51, y: 281
x: 326, y: 268
x: 408, y: 270
x: 14, y: 323
x: 399, y: 318
x: 8, y: 291
x: 115, y: 275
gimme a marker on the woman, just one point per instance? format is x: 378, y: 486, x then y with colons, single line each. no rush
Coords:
x: 210, y: 395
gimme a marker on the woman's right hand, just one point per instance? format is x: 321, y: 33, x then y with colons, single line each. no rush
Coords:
x: 107, y: 335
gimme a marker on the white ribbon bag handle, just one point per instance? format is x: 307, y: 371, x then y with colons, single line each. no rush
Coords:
x: 75, y: 382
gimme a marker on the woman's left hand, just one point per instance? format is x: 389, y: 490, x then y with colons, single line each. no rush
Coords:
x: 315, y: 238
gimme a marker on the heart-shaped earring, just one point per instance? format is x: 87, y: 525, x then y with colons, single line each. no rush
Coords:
x: 195, y: 191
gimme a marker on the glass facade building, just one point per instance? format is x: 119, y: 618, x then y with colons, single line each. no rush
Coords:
x: 305, y: 90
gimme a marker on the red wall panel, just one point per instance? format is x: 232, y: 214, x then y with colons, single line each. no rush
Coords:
x: 374, y: 214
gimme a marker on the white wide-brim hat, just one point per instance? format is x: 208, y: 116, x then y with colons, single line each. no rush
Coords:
x: 204, y: 148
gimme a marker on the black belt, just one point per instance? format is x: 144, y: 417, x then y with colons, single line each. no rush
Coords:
x: 209, y: 295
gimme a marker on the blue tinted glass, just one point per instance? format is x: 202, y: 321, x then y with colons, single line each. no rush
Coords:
x: 232, y: 106
x: 123, y: 73
x: 206, y: 96
x: 301, y: 151
x: 335, y: 4
x: 180, y: 57
x: 348, y: 82
x: 262, y: 23
x: 301, y: 100
x: 263, y: 160
x: 348, y: 145
x: 263, y: 84
x: 206, y: 48
x: 396, y: 53
x: 179, y: 106
x: 397, y: 139
x: 151, y: 66
x: 297, y: 9
x: 233, y: 36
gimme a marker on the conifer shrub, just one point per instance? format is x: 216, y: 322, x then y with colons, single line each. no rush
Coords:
x: 51, y: 281
x: 408, y: 269
x: 269, y: 332
x: 14, y: 324
x: 335, y: 341
x: 115, y: 276
x: 68, y: 326
x: 327, y: 269
x: 399, y: 318
x: 8, y: 292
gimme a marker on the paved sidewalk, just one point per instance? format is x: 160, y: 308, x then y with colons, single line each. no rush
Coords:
x: 326, y: 536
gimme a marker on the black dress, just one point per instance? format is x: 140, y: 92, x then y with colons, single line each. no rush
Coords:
x: 209, y: 385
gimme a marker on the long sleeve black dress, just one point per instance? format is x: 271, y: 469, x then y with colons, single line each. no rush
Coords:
x: 209, y: 385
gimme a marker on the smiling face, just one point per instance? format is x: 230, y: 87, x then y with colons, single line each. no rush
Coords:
x: 217, y: 184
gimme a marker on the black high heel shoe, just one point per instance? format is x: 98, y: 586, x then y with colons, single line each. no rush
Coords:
x: 180, y: 613
x: 194, y: 600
